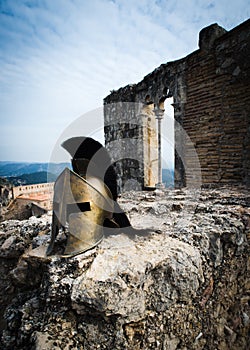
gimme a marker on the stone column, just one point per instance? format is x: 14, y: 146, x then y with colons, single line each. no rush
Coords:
x: 159, y: 116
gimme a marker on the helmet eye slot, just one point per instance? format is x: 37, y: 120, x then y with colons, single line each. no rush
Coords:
x: 76, y: 207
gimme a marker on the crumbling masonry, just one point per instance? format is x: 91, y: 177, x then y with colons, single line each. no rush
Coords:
x: 211, y: 99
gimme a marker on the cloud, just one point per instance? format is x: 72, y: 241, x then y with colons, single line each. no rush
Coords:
x: 60, y: 58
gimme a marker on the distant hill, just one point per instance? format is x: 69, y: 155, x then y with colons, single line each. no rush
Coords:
x: 31, y: 173
x: 15, y: 169
x: 33, y: 178
x: 24, y: 173
x: 168, y: 177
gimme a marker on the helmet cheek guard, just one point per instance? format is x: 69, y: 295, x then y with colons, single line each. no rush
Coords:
x: 83, y: 205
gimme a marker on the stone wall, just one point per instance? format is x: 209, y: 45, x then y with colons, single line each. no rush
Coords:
x: 217, y: 112
x: 124, y: 135
x: 210, y: 89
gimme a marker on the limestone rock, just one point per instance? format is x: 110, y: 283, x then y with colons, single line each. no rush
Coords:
x: 183, y: 285
x: 125, y: 272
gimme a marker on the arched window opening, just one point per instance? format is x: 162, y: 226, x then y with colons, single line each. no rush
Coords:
x: 168, y: 146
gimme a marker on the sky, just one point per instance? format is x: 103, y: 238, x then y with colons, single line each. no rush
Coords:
x: 60, y: 58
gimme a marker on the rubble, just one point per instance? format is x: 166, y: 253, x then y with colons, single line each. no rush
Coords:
x: 184, y: 285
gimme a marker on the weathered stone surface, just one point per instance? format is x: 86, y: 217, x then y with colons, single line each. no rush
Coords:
x: 178, y: 287
x: 208, y: 35
x: 17, y: 235
x: 123, y: 273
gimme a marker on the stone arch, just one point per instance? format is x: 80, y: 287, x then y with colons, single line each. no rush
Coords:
x: 148, y: 99
x: 164, y: 108
x: 163, y: 94
x: 161, y: 102
x: 147, y: 106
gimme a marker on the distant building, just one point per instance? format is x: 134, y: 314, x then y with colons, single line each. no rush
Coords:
x: 43, y: 200
x: 29, y: 200
x: 39, y: 194
x: 44, y: 188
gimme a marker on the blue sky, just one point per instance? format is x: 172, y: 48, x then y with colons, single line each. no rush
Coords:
x: 60, y: 58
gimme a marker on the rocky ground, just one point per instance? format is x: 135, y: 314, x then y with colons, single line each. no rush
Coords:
x: 184, y: 284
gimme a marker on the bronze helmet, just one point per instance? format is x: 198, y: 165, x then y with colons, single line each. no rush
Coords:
x: 85, y: 198
x: 83, y: 205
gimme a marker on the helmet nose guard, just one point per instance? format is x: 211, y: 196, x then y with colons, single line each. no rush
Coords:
x: 83, y: 204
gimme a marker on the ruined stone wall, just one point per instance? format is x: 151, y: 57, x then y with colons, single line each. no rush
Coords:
x: 127, y: 144
x: 217, y: 112
x: 210, y: 90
